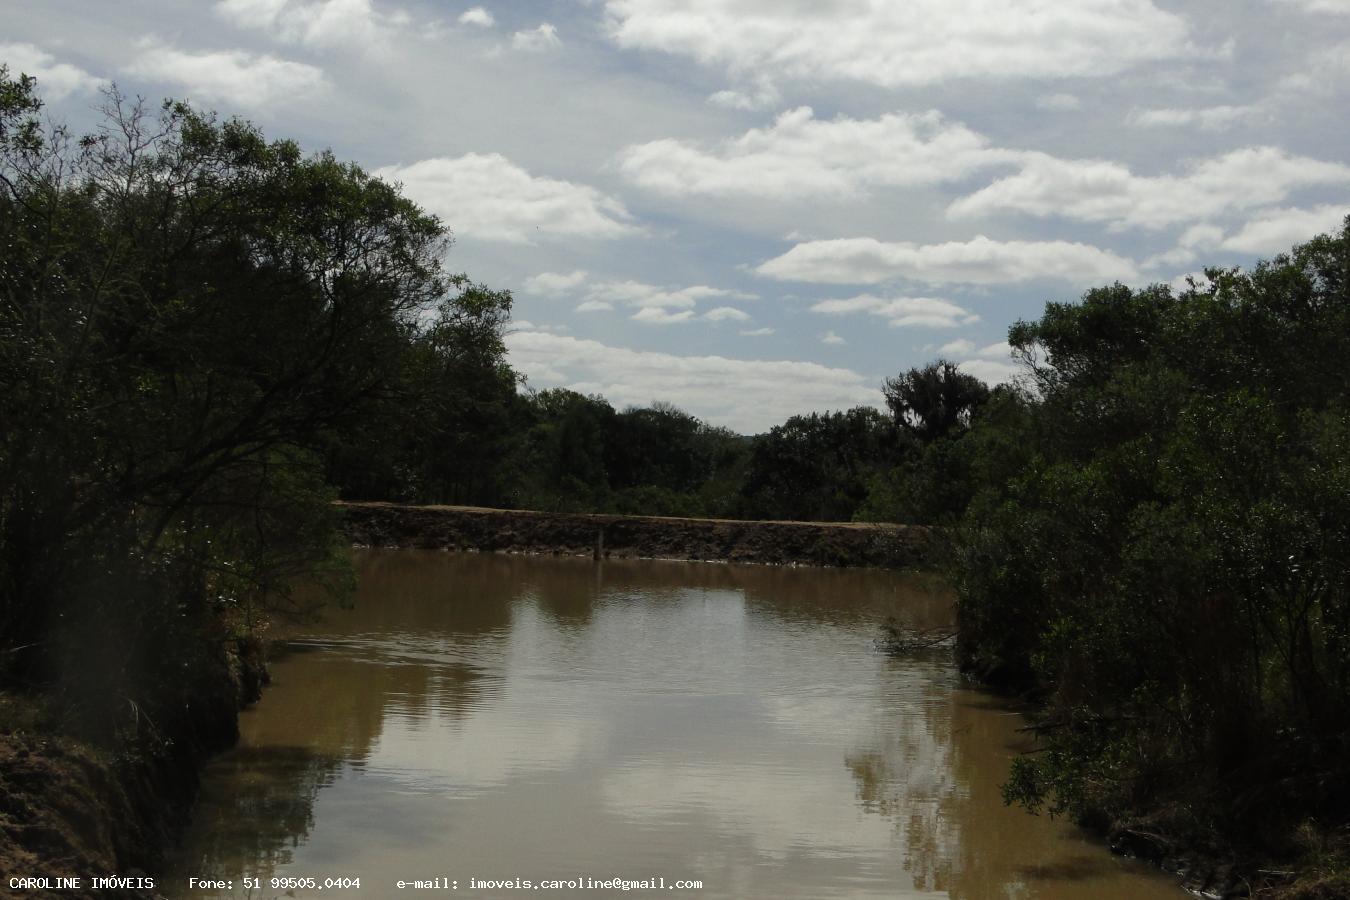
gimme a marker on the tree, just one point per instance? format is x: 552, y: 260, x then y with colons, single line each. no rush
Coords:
x: 819, y: 466
x: 934, y: 401
x: 190, y: 317
x: 1166, y: 558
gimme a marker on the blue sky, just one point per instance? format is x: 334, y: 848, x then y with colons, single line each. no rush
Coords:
x: 755, y: 208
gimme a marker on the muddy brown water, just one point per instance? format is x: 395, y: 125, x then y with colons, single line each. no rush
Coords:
x: 483, y: 717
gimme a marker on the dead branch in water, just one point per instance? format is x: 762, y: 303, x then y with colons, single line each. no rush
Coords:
x: 901, y: 640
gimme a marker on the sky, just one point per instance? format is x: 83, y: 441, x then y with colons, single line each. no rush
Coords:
x: 759, y: 208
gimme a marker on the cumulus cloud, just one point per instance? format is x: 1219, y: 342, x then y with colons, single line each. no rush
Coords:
x: 657, y: 315
x: 1209, y: 118
x: 991, y: 363
x: 766, y: 392
x: 902, y: 44
x: 1182, y: 283
x: 761, y: 96
x: 977, y: 261
x: 830, y: 337
x: 320, y: 23
x: 56, y: 80
x: 1103, y: 191
x: 1267, y: 233
x: 649, y: 296
x: 901, y: 312
x: 235, y: 77
x: 958, y: 347
x: 757, y: 332
x: 545, y: 37
x: 553, y: 284
x: 653, y: 304
x: 489, y: 197
x: 804, y: 156
x: 1277, y: 230
x: 477, y: 16
x: 1198, y: 237
x: 989, y: 370
x: 526, y: 325
x: 726, y: 314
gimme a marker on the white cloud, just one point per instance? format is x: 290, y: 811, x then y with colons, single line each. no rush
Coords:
x: 655, y: 305
x: 915, y: 43
x: 320, y: 23
x: 545, y: 37
x: 757, y: 332
x: 761, y: 96
x: 1183, y: 283
x: 989, y: 370
x: 56, y: 80
x: 958, y: 347
x: 902, y: 312
x: 1267, y: 233
x: 830, y: 337
x: 991, y: 363
x: 1210, y: 118
x: 525, y: 325
x: 725, y: 314
x: 477, y: 16
x: 804, y: 156
x: 766, y: 392
x: 487, y: 196
x: 553, y: 284
x: 977, y: 261
x: 649, y: 296
x: 1059, y: 102
x: 1103, y: 191
x: 801, y: 155
x: 657, y: 315
x: 1203, y: 236
x: 230, y: 76
x: 1277, y: 230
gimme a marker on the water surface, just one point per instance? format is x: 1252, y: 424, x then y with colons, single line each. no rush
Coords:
x: 508, y: 717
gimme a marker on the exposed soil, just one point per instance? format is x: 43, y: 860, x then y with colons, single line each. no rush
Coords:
x: 68, y: 808
x: 653, y: 537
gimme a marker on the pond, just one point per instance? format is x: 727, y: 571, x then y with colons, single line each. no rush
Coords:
x: 482, y: 718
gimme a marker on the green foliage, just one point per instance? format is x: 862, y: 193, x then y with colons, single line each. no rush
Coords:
x: 194, y: 324
x: 819, y: 466
x: 577, y: 454
x: 439, y: 430
x: 1160, y: 545
x: 934, y: 401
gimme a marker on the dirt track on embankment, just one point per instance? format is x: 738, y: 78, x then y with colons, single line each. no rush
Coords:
x: 654, y: 537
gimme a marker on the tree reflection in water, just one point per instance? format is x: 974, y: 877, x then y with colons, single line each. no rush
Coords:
x: 519, y: 712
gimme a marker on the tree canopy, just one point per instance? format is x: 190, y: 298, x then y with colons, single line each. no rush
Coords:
x: 1167, y: 559
x: 192, y: 318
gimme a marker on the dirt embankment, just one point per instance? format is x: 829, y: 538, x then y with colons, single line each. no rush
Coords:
x: 656, y: 537
x: 72, y: 809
